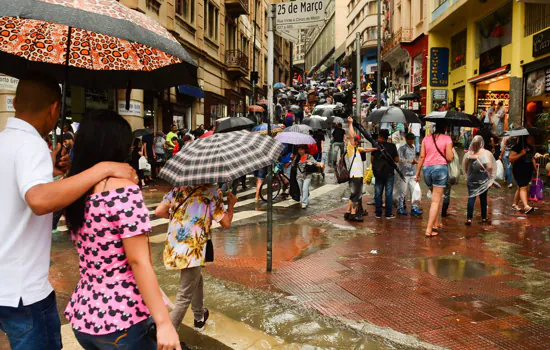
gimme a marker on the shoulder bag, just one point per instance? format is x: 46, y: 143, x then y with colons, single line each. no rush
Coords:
x: 342, y: 171
x: 452, y: 173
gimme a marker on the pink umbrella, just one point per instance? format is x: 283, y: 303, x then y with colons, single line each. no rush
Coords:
x: 206, y: 134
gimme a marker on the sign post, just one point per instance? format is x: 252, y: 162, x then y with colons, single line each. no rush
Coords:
x: 358, y: 76
x: 270, y: 109
x: 299, y: 14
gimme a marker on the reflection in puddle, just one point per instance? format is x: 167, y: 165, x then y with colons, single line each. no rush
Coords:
x: 457, y: 268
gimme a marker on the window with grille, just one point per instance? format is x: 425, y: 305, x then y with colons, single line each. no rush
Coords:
x: 537, y: 18
x: 458, y: 50
x: 211, y: 17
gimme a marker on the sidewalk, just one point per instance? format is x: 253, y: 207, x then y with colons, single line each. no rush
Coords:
x: 482, y: 287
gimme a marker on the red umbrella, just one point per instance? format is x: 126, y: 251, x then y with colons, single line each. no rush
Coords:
x: 206, y: 134
x: 255, y: 109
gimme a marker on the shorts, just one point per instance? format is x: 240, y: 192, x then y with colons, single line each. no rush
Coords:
x: 436, y: 175
x: 160, y: 158
x: 356, y: 188
x: 261, y: 174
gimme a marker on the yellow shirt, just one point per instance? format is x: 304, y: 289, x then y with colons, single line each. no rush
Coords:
x: 169, y: 137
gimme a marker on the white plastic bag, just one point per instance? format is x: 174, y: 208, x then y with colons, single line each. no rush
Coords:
x: 454, y: 169
x: 143, y: 164
x: 500, y: 170
x: 417, y: 194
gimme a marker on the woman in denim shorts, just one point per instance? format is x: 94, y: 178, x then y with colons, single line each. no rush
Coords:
x: 436, y: 152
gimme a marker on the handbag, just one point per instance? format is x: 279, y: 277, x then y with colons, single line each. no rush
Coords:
x: 452, y: 176
x: 342, y: 171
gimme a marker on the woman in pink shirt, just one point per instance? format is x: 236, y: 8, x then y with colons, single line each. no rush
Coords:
x: 435, y: 153
x: 117, y: 297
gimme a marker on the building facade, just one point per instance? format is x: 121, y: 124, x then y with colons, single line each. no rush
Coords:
x: 362, y: 18
x: 219, y: 36
x: 325, y: 44
x: 494, y: 51
x: 405, y: 49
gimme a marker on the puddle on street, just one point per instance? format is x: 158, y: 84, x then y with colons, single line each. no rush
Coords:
x: 250, y: 318
x: 457, y: 268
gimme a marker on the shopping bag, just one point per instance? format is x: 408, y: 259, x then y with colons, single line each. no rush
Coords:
x: 454, y: 169
x: 143, y: 164
x: 368, y: 175
x: 417, y: 194
x: 500, y: 170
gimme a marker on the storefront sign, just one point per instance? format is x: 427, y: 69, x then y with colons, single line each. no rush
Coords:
x: 417, y: 70
x: 490, y: 60
x: 440, y: 95
x: 9, y: 103
x: 8, y: 83
x: 134, y: 108
x: 300, y: 14
x: 541, y: 43
x: 439, y: 66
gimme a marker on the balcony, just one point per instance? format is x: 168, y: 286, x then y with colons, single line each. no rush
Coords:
x: 235, y: 8
x: 403, y: 35
x: 237, y: 64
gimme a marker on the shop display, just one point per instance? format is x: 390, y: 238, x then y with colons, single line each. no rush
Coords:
x: 484, y: 98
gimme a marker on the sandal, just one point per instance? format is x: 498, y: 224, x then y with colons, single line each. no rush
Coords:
x: 468, y: 222
x: 516, y: 207
x: 530, y: 210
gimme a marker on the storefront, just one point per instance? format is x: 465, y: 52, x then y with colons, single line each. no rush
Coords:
x: 418, y: 51
x: 215, y: 107
x: 493, y: 86
x: 536, y: 80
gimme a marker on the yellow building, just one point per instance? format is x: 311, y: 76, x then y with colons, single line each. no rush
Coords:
x: 219, y: 36
x: 483, y: 51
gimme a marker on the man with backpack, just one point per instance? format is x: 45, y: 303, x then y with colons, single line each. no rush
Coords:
x: 356, y: 171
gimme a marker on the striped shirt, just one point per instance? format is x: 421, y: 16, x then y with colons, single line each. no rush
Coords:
x: 357, y: 166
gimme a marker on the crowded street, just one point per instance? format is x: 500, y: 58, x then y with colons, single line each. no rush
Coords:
x: 273, y: 174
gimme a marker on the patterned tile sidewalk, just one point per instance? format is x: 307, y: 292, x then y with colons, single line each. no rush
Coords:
x: 479, y: 287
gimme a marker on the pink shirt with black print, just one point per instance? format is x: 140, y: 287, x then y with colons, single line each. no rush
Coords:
x: 106, y: 298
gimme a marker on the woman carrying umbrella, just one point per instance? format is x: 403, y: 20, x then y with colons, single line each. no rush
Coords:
x: 306, y: 166
x: 522, y: 156
x: 479, y: 165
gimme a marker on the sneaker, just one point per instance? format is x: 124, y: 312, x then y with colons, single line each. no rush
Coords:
x: 402, y: 211
x: 199, y: 325
x: 416, y: 212
x: 510, y: 185
x: 390, y: 217
x: 356, y: 218
x: 377, y: 216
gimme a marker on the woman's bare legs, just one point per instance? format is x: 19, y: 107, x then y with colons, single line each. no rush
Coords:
x: 524, y: 197
x: 435, y: 209
x: 259, y: 183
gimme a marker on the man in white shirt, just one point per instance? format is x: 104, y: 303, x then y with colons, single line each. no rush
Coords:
x: 28, y: 309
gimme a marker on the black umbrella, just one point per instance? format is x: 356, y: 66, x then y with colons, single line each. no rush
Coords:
x: 454, y: 118
x: 410, y: 97
x: 323, y: 112
x: 516, y: 132
x: 393, y: 115
x: 142, y: 132
x: 315, y: 123
x: 234, y: 124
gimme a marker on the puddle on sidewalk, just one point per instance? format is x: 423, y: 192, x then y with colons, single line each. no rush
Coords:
x: 457, y: 268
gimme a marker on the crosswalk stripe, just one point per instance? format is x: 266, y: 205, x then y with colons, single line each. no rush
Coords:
x: 313, y: 194
x: 160, y: 238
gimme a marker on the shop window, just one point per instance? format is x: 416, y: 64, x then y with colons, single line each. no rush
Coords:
x: 495, y: 30
x: 438, y: 3
x: 537, y: 95
x: 458, y: 50
x: 537, y: 18
x: 211, y: 16
x: 186, y: 9
x: 372, y: 8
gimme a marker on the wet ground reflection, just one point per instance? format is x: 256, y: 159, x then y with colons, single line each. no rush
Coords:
x: 457, y: 268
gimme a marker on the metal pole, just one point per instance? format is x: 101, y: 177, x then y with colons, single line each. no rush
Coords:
x: 379, y: 50
x: 358, y: 76
x: 254, y: 55
x: 270, y: 54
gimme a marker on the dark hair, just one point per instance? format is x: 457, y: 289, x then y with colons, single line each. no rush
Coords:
x: 174, y: 138
x: 384, y: 133
x: 35, y: 92
x: 304, y: 147
x: 410, y: 136
x: 102, y: 136
x: 440, y: 128
x: 137, y: 142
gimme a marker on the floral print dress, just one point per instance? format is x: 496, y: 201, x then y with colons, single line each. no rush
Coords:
x: 189, y: 227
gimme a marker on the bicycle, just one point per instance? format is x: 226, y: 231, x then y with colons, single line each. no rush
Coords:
x: 279, y: 180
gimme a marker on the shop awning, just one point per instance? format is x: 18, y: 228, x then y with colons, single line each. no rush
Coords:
x: 491, y: 74
x: 191, y: 90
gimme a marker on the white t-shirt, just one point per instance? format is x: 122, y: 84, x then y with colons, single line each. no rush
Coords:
x: 26, y: 238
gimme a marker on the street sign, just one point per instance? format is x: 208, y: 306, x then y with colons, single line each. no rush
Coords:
x: 300, y: 14
x: 290, y: 35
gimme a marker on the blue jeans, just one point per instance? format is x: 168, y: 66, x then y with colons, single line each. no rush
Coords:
x: 467, y: 139
x: 135, y: 337
x: 32, y: 327
x: 380, y: 185
x: 417, y: 141
x: 304, y: 189
x: 472, y: 202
